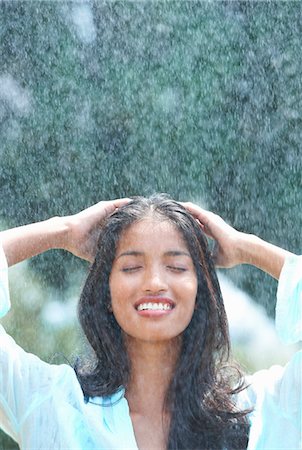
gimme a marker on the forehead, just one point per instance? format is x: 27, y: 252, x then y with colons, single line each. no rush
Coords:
x: 152, y: 233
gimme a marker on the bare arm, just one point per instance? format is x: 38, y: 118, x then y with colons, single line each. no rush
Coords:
x: 77, y: 234
x: 233, y: 247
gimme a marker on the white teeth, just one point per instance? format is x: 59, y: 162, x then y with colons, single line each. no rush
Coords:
x: 154, y: 306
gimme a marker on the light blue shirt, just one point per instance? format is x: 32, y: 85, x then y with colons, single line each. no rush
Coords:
x: 42, y: 405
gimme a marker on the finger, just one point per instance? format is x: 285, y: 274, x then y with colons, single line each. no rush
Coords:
x: 199, y: 213
x: 204, y: 217
x: 200, y: 224
x: 113, y: 205
x: 119, y: 202
x: 205, y: 229
x: 105, y: 208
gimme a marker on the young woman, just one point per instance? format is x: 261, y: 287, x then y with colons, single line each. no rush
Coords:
x: 152, y: 311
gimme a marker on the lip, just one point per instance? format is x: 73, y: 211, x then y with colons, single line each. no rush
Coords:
x: 154, y: 313
x: 150, y: 299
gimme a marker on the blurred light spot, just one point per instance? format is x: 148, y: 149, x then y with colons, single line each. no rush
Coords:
x: 17, y: 97
x: 59, y: 314
x: 251, y: 328
x: 162, y: 28
x: 168, y: 100
x: 83, y: 19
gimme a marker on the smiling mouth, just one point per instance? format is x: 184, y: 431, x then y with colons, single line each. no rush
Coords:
x: 154, y: 307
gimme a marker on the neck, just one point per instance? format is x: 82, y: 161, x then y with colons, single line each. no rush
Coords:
x: 152, y: 368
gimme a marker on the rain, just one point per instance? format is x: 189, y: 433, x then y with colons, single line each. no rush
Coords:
x: 108, y: 99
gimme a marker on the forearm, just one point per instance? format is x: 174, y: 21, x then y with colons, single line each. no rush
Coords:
x: 261, y: 254
x: 29, y: 240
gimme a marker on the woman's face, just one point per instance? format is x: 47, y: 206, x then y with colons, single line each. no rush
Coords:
x: 153, y: 283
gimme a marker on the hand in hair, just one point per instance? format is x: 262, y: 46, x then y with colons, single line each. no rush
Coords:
x: 83, y: 227
x: 233, y: 247
x: 77, y: 234
x: 225, y: 252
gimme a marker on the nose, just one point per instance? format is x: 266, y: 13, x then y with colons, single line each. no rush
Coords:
x: 154, y: 281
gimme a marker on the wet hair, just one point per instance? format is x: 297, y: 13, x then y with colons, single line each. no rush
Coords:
x: 203, y: 388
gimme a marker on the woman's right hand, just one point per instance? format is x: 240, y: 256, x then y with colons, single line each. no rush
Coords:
x: 77, y: 234
x: 83, y: 228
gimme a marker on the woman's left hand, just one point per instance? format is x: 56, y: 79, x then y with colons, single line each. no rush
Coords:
x: 227, y: 248
x: 233, y: 247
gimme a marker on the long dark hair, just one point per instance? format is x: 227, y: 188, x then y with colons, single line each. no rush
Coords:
x: 201, y: 396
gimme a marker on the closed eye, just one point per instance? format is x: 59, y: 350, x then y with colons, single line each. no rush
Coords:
x: 177, y: 269
x: 131, y: 269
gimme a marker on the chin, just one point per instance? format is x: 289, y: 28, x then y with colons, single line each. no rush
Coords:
x: 152, y: 336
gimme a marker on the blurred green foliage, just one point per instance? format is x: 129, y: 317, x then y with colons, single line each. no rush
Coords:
x: 57, y: 341
x: 198, y: 99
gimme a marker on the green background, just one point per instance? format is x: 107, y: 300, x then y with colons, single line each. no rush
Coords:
x: 100, y: 100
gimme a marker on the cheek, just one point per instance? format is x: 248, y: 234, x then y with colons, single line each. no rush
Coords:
x: 120, y: 291
x: 121, y: 306
x: 192, y: 294
x: 189, y: 288
x: 115, y: 283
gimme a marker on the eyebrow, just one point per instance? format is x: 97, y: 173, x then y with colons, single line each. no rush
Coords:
x: 168, y: 253
x: 130, y: 253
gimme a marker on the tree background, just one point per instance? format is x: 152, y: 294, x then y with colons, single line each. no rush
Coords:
x: 105, y: 99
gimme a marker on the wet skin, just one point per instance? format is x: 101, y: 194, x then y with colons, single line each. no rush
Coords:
x: 153, y: 265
